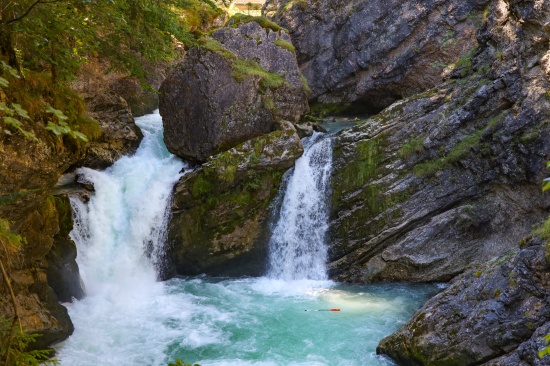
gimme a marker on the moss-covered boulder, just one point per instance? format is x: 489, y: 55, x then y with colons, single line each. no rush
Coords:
x: 449, y: 178
x: 232, y: 88
x: 220, y: 210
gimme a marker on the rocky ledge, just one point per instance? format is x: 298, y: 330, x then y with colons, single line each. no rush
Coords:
x: 495, y: 314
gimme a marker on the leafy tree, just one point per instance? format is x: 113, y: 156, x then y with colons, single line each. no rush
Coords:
x: 59, y: 35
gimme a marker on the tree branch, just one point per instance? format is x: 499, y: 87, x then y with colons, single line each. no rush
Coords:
x: 29, y: 9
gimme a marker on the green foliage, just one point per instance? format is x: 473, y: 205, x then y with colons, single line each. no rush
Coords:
x: 213, y: 45
x: 305, y: 86
x: 285, y: 45
x: 546, y: 350
x: 329, y: 109
x: 264, y: 22
x: 60, y: 35
x: 19, y: 355
x: 243, y: 69
x: 7, y: 237
x: 61, y: 127
x: 413, y: 146
x: 544, y: 232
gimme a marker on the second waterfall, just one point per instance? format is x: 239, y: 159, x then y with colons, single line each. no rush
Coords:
x: 298, y: 247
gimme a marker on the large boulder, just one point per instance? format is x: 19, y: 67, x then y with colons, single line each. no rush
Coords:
x: 370, y: 53
x: 235, y: 87
x: 449, y: 178
x: 220, y: 211
x: 496, y: 314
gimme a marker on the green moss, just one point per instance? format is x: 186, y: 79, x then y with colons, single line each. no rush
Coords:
x: 478, y: 274
x: 37, y: 94
x: 243, y: 69
x: 460, y: 150
x: 300, y: 4
x: 10, y: 198
x: 464, y: 63
x: 305, y: 86
x: 411, y: 147
x: 328, y: 109
x: 269, y: 104
x: 264, y: 22
x: 214, y: 46
x: 64, y: 213
x: 543, y: 231
x: 7, y: 237
x: 285, y: 45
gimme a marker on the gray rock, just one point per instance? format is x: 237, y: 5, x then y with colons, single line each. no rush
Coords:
x: 120, y: 135
x: 370, y: 53
x: 495, y: 314
x: 233, y: 89
x: 449, y: 178
x: 220, y: 211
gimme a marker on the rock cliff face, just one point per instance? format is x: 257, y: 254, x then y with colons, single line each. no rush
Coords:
x: 370, y: 53
x: 451, y: 177
x: 233, y: 88
x: 44, y: 272
x: 119, y: 133
x: 496, y: 314
x: 220, y: 210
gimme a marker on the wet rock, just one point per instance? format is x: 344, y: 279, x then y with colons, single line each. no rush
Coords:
x: 449, y: 178
x: 220, y: 211
x: 62, y: 269
x: 233, y: 88
x: 120, y: 135
x: 495, y: 314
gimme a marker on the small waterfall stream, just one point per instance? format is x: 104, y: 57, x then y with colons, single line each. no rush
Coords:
x: 129, y: 318
x: 298, y: 248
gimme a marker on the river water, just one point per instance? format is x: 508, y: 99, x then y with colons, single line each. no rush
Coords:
x: 130, y: 318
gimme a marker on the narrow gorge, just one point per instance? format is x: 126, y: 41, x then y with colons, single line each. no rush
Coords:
x: 330, y: 183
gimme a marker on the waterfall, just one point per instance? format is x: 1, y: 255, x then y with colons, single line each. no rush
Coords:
x: 119, y: 233
x: 130, y: 318
x: 297, y: 246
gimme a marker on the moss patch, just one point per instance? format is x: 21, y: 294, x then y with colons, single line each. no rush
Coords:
x: 461, y: 149
x: 214, y: 46
x: 264, y: 22
x: 329, y: 109
x: 411, y: 147
x: 285, y: 45
x: 243, y: 69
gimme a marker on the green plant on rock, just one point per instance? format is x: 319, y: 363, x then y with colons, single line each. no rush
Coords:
x: 264, y: 22
x: 214, y: 46
x: 14, y: 347
x: 413, y: 146
x: 285, y: 45
x: 61, y: 127
x: 243, y: 69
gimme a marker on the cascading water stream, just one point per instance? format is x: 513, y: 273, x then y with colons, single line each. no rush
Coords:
x: 297, y: 247
x: 129, y: 318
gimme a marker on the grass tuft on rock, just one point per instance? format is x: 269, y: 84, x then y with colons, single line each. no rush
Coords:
x: 213, y: 45
x: 285, y: 45
x: 243, y: 69
x: 264, y: 22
